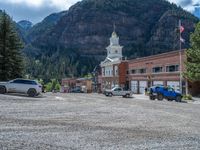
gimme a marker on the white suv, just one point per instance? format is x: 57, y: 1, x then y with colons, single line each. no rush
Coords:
x: 30, y: 87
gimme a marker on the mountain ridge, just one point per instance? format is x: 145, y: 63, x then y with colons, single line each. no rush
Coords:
x: 25, y: 24
x: 82, y: 33
x: 79, y: 37
x: 61, y: 32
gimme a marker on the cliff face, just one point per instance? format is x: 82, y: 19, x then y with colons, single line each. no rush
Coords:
x: 40, y: 29
x: 145, y: 27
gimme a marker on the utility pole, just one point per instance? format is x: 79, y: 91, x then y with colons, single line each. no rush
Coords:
x: 180, y: 53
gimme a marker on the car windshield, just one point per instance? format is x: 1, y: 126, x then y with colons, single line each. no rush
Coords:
x: 117, y: 89
x: 170, y: 89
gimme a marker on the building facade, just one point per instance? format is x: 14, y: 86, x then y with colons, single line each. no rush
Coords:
x: 138, y: 74
x: 163, y: 69
x: 68, y: 84
x: 113, y: 68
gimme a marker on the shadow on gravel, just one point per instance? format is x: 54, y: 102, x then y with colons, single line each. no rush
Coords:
x: 183, y: 102
x: 24, y: 95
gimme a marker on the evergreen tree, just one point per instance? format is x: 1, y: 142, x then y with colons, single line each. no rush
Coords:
x: 193, y: 56
x: 11, y: 61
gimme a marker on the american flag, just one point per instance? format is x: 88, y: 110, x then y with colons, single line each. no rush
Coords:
x: 181, y: 28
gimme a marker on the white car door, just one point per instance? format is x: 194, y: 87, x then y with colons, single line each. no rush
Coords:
x: 25, y: 86
x: 117, y: 91
x: 120, y: 91
x: 12, y: 86
x: 15, y: 86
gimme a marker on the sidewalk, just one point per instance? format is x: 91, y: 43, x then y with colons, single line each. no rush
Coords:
x: 196, y: 98
x: 141, y: 96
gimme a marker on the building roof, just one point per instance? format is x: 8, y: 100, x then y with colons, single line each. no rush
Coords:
x: 172, y: 53
x: 114, y: 34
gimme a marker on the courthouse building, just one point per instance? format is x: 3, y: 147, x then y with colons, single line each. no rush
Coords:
x: 138, y: 74
x: 114, y: 67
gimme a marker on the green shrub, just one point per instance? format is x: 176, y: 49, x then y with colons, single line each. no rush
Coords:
x: 48, y: 87
x: 53, y: 85
x: 58, y: 87
x: 187, y: 97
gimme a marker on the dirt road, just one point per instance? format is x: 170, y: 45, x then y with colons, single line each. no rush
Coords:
x: 96, y: 122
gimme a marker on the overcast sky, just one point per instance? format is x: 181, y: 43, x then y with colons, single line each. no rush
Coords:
x: 36, y: 10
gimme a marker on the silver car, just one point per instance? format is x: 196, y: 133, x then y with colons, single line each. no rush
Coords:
x: 117, y: 91
x: 30, y: 87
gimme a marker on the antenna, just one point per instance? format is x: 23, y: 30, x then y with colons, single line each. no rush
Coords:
x: 114, y: 27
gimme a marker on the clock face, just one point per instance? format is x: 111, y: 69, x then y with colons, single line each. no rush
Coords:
x: 116, y: 51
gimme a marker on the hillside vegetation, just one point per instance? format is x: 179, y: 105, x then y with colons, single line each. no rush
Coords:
x: 71, y: 43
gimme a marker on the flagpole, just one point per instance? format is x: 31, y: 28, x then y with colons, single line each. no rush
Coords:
x: 180, y: 44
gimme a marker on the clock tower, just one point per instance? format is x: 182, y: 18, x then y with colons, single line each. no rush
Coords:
x: 114, y: 50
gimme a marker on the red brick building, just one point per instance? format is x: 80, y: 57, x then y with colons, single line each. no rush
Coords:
x: 138, y: 74
x: 70, y: 83
x: 117, y: 77
x: 163, y: 69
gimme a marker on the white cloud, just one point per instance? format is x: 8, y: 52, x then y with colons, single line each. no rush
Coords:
x: 63, y: 4
x: 36, y: 10
x: 186, y: 4
x: 60, y: 4
x: 34, y: 3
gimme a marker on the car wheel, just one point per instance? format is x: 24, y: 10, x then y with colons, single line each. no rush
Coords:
x: 110, y: 94
x: 178, y: 99
x: 32, y: 92
x: 160, y: 97
x: 127, y: 95
x: 2, y: 90
x: 152, y: 97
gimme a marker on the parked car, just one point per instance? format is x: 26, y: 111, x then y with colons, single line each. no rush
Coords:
x: 117, y: 91
x: 161, y: 92
x: 76, y: 90
x: 30, y: 87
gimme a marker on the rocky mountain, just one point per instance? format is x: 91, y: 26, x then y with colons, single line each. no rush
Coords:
x: 142, y: 25
x: 23, y: 27
x: 24, y: 24
x: 145, y: 27
x: 43, y: 27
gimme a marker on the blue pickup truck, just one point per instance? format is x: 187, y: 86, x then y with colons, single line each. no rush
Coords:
x: 161, y: 92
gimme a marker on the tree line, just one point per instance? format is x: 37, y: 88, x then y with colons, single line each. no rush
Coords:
x: 14, y: 64
x: 11, y: 58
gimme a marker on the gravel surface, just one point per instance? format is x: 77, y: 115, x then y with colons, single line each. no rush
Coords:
x: 93, y: 121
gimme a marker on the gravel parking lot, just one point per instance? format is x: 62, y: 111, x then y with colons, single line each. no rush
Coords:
x: 93, y: 121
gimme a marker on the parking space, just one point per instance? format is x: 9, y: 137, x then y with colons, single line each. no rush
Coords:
x: 93, y: 121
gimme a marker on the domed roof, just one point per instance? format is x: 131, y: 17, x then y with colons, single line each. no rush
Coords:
x: 114, y: 34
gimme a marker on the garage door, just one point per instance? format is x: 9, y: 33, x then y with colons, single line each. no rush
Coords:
x: 157, y: 82
x: 142, y: 86
x: 174, y: 84
x: 134, y: 86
